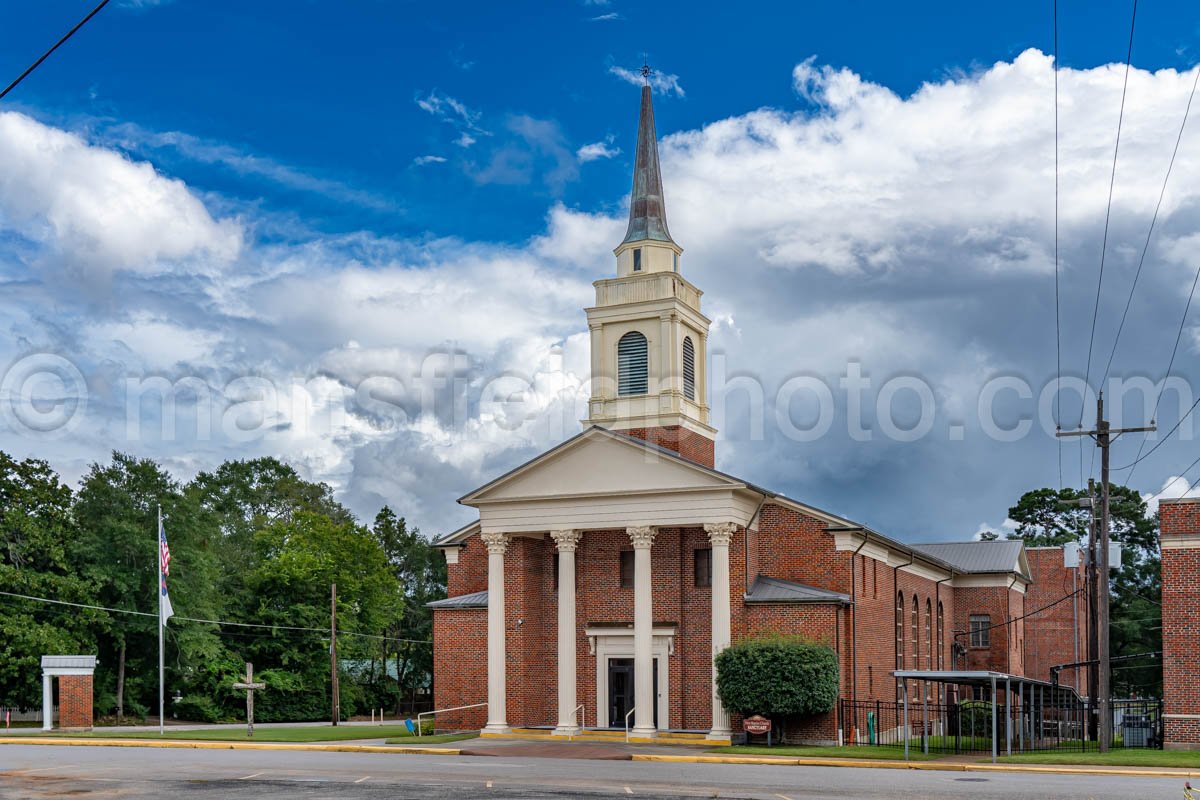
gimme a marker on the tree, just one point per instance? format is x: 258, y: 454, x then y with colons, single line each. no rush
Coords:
x: 1053, y: 517
x: 37, y: 534
x: 117, y: 512
x: 420, y: 571
x: 778, y: 676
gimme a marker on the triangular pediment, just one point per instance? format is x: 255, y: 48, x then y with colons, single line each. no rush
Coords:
x: 598, y: 462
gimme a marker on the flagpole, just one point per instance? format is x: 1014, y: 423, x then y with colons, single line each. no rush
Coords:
x: 158, y: 591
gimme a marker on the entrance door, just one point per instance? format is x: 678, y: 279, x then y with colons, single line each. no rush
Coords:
x: 621, y: 695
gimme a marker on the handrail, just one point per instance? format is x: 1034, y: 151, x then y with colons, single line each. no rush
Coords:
x: 627, y: 723
x: 439, y: 711
x: 582, y: 722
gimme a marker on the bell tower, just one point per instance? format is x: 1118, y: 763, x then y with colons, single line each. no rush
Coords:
x: 649, y: 338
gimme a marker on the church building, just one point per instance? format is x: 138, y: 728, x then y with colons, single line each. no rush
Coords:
x: 602, y: 577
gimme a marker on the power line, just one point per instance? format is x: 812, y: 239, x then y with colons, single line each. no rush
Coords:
x: 1182, y: 416
x: 1057, y: 320
x: 1112, y: 179
x: 57, y: 45
x: 1150, y: 231
x: 214, y: 621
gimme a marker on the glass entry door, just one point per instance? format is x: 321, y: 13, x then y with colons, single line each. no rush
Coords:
x: 621, y: 691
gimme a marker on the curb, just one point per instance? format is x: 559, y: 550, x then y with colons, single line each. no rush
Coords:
x: 184, y: 744
x: 783, y: 761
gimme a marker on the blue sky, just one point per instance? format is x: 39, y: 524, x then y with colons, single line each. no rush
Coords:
x: 332, y: 88
x: 337, y: 195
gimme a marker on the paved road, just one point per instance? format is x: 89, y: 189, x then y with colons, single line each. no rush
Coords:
x: 39, y: 771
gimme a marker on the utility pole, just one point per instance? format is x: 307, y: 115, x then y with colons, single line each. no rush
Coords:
x: 1104, y: 436
x: 335, y: 705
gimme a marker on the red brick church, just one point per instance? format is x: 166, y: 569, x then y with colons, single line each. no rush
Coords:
x: 602, y: 577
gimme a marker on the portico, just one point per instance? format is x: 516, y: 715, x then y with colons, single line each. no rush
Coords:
x: 608, y: 485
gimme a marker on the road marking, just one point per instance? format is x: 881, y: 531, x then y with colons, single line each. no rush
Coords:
x: 628, y: 790
x: 248, y: 777
x: 363, y: 778
x: 489, y: 784
x: 783, y: 797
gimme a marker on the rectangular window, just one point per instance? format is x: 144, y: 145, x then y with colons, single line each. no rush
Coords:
x: 981, y: 634
x: 677, y: 262
x: 637, y: 259
x: 626, y: 569
x: 703, y: 571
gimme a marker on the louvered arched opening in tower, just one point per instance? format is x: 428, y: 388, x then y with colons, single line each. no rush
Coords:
x: 689, y: 368
x: 632, y: 366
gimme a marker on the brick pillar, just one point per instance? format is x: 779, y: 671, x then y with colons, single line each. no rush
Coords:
x: 1179, y: 536
x: 75, y: 701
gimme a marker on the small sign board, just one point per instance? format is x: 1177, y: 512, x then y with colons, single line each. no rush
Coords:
x: 757, y: 724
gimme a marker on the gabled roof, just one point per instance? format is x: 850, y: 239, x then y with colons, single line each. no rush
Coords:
x: 665, y: 454
x: 473, y: 600
x: 773, y: 590
x: 996, y: 556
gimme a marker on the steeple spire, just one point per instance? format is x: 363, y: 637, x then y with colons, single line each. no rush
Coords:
x: 647, y: 210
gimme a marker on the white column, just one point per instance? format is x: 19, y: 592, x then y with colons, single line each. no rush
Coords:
x: 497, y: 698
x: 643, y: 633
x: 567, y: 542
x: 720, y: 535
x: 47, y: 702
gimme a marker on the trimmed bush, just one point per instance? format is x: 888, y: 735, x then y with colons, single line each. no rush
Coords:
x: 778, y: 676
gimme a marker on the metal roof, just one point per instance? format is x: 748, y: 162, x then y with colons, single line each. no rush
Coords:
x: 996, y: 556
x: 977, y: 678
x: 773, y: 590
x: 473, y: 600
x: 647, y: 208
x: 68, y: 662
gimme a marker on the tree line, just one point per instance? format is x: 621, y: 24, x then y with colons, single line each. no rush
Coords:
x: 251, y: 542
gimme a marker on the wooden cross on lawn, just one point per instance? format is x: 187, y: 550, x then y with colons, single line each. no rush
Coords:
x: 249, y: 685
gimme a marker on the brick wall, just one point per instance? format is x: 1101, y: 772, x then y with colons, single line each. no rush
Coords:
x: 689, y: 444
x: 1051, y: 636
x: 1179, y: 531
x: 788, y: 545
x: 460, y: 665
x: 75, y: 701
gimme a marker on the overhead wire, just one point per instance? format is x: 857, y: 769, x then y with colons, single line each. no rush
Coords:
x: 214, y: 621
x: 1112, y: 180
x: 56, y: 45
x: 1057, y: 316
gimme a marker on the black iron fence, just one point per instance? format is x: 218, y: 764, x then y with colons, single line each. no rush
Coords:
x: 969, y: 726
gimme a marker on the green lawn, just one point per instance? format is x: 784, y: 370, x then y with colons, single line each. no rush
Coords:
x: 849, y: 751
x: 1114, y: 758
x: 268, y: 733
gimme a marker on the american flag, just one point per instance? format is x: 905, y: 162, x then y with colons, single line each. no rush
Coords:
x: 165, y: 611
x: 164, y: 552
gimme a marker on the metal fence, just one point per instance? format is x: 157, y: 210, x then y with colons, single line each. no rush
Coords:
x: 966, y: 726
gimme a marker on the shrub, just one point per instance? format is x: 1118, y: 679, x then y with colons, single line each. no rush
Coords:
x: 778, y: 676
x: 197, y: 708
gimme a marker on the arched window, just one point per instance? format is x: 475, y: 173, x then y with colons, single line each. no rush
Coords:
x: 941, y: 642
x: 916, y: 627
x: 689, y: 368
x: 900, y: 630
x: 930, y: 646
x: 632, y: 366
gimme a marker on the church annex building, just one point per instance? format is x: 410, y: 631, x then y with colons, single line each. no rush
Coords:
x: 603, y: 576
